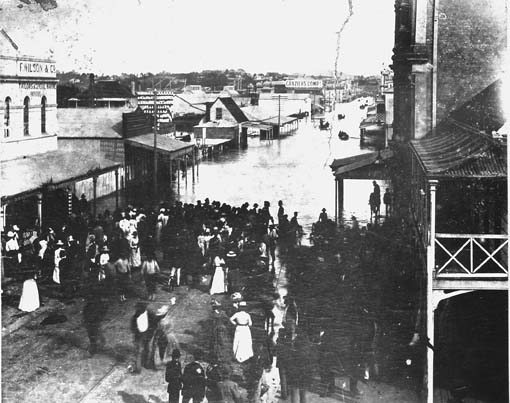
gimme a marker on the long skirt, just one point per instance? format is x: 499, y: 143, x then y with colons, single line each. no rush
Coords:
x: 218, y: 282
x: 150, y: 283
x: 122, y: 283
x: 56, y: 275
x: 29, y: 301
x: 135, y: 259
x: 242, y: 347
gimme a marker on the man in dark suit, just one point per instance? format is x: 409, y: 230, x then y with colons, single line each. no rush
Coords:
x: 193, y: 383
x: 173, y: 375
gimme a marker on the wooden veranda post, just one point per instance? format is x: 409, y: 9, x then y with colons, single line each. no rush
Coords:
x: 94, y: 201
x: 117, y: 188
x: 39, y: 209
x: 336, y: 200
x: 430, y: 302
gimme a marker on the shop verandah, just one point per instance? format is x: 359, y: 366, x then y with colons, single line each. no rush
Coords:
x: 39, y: 191
x: 458, y: 205
x: 175, y: 160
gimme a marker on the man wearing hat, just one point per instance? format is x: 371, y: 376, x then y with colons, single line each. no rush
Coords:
x: 173, y: 375
x: 106, y: 270
x: 323, y: 216
x: 270, y: 240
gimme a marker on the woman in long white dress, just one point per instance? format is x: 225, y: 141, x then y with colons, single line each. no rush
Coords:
x: 29, y: 300
x: 135, y: 258
x: 242, y: 347
x: 218, y: 281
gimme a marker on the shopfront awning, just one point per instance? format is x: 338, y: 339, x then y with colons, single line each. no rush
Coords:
x: 344, y: 166
x: 27, y: 176
x: 174, y: 148
x: 458, y: 151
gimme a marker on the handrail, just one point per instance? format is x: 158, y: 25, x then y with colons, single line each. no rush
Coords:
x: 466, y: 236
x: 479, y: 256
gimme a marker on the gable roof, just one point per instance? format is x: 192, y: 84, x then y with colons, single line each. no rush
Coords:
x: 234, y: 109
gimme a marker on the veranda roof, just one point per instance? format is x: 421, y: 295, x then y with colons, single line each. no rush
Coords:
x: 459, y: 151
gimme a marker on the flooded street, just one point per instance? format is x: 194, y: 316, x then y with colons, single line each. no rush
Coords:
x: 294, y: 169
x: 349, y: 299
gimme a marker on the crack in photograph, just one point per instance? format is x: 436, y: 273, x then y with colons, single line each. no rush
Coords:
x: 254, y: 201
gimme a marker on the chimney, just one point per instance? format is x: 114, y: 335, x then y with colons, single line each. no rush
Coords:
x: 133, y: 88
x: 207, y: 112
x: 92, y: 94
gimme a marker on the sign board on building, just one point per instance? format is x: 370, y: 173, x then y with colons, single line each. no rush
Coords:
x: 312, y: 84
x: 27, y: 68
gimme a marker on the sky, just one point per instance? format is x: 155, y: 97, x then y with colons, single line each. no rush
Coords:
x: 140, y: 36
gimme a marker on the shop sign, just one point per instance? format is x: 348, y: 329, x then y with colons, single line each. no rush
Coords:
x: 36, y: 69
x: 303, y: 84
x: 27, y: 85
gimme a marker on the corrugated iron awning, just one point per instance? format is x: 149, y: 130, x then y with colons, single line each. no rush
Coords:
x: 174, y: 148
x: 346, y: 165
x: 456, y: 151
x: 23, y: 177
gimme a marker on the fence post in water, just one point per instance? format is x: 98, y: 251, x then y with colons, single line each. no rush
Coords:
x: 193, y: 165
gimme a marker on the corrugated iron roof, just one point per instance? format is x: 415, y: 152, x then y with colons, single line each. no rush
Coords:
x: 344, y: 165
x: 457, y: 151
x: 165, y: 144
x: 28, y: 174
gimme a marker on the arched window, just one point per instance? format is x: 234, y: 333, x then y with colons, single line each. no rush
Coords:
x: 26, y: 116
x: 43, y: 115
x: 7, y: 116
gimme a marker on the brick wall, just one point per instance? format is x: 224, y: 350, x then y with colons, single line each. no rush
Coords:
x: 471, y: 45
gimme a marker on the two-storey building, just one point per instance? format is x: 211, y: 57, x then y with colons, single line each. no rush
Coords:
x: 37, y: 179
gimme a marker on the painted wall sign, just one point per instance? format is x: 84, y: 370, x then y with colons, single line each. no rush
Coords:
x: 40, y: 69
x: 303, y: 84
x: 37, y: 86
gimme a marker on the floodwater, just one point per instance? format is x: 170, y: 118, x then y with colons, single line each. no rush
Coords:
x: 294, y: 169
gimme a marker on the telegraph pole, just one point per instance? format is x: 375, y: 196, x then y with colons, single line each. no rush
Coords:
x: 155, y: 173
x: 279, y: 115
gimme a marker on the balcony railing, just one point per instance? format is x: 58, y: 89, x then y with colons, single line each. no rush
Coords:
x: 471, y: 256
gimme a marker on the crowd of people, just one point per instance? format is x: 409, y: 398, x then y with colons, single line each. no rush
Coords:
x: 96, y: 258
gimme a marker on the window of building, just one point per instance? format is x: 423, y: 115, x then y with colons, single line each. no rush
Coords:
x: 219, y: 113
x: 7, y: 116
x: 26, y: 116
x: 43, y: 115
